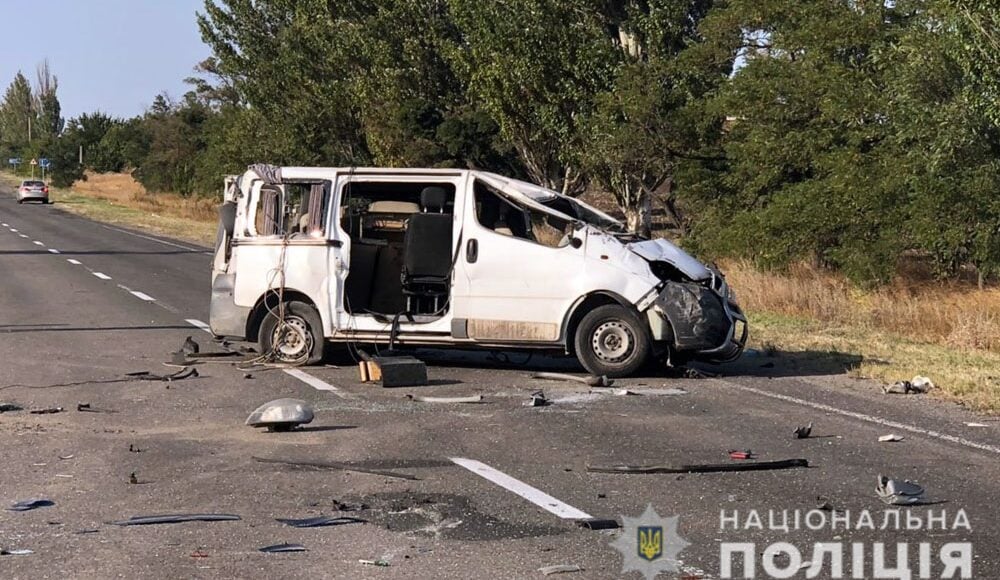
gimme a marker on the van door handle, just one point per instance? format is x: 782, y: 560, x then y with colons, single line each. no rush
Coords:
x: 471, y: 251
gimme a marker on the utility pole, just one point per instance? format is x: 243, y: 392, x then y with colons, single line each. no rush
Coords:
x: 29, y: 126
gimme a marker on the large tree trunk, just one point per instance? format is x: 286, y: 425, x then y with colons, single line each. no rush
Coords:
x: 639, y: 214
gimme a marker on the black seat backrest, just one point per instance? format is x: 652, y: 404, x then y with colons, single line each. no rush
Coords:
x: 427, y: 246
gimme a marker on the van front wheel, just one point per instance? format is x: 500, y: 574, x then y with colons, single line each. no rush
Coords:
x: 612, y: 341
x: 295, y: 339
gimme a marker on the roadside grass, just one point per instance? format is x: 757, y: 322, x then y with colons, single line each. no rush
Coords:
x: 119, y: 199
x: 948, y: 333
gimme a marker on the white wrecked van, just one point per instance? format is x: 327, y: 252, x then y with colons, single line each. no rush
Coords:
x: 440, y: 257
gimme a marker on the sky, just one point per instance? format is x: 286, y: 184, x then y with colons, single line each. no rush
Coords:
x: 109, y: 55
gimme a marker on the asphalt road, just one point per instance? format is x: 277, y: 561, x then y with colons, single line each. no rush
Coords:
x: 82, y: 304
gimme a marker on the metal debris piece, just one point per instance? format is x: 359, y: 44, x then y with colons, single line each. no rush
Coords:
x: 896, y: 492
x: 740, y: 455
x: 559, y: 569
x: 456, y: 400
x: 590, y: 380
x: 624, y: 392
x: 890, y: 438
x: 133, y: 479
x: 380, y: 562
x: 282, y: 548
x: 976, y: 425
x: 921, y: 384
x: 88, y: 408
x: 190, y: 346
x: 803, y: 432
x: 281, y: 415
x: 538, y: 400
x: 691, y: 373
x: 30, y: 504
x: 703, y: 468
x: 15, y: 552
x: 918, y: 385
x: 184, y: 373
x: 9, y: 407
x: 320, y: 521
x: 178, y: 358
x: 47, y: 411
x: 65, y: 457
x: 823, y: 503
x: 175, y: 519
x: 598, y: 524
x: 340, y: 466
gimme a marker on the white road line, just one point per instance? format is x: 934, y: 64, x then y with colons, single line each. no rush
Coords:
x: 54, y: 251
x: 870, y: 419
x: 142, y: 296
x: 72, y: 261
x: 37, y: 243
x: 164, y: 242
x: 535, y: 496
x: 199, y: 324
x: 101, y: 276
x: 314, y: 382
x: 22, y: 235
x: 4, y: 225
x: 13, y: 230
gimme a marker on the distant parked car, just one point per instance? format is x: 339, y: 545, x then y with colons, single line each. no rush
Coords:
x: 32, y: 190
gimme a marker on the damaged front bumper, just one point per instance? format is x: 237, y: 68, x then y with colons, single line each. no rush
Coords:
x: 700, y: 320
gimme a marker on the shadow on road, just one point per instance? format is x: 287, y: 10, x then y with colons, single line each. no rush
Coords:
x: 66, y: 328
x: 101, y: 252
x: 792, y: 364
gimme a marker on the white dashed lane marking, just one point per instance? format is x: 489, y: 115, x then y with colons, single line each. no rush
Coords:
x: 22, y: 235
x: 101, y: 276
x: 318, y: 384
x: 199, y: 324
x: 37, y: 243
x: 142, y: 296
x: 532, y: 494
x: 13, y: 230
x: 53, y: 251
x: 74, y: 262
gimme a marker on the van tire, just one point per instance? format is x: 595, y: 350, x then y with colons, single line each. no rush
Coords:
x: 295, y: 348
x: 612, y: 341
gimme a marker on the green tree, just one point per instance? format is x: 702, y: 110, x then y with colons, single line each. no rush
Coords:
x: 18, y: 119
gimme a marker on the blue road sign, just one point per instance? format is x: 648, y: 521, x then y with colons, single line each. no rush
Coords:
x: 43, y: 162
x: 14, y: 161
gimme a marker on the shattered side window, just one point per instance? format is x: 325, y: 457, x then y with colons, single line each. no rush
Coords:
x: 291, y: 209
x: 267, y: 212
x: 497, y: 213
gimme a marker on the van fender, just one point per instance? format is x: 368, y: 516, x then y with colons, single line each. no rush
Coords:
x: 581, y: 306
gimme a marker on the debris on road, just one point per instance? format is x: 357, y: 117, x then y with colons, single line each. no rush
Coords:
x: 668, y: 392
x: 740, y: 455
x: 590, y: 380
x: 380, y: 562
x: 823, y: 503
x: 10, y: 407
x: 47, y: 411
x: 976, y: 425
x: 338, y: 466
x: 392, y: 371
x: 702, y: 468
x: 282, y: 548
x: 30, y: 504
x: 175, y: 519
x: 559, y: 569
x: 895, y: 492
x: 890, y: 438
x: 190, y: 346
x: 918, y: 385
x: 88, y: 408
x: 455, y: 400
x: 691, y: 373
x: 281, y: 415
x: 65, y: 457
x: 184, y: 373
x: 320, y: 521
x: 133, y: 478
x: 598, y: 524
x: 349, y: 507
x: 538, y: 400
x: 15, y: 552
x: 803, y: 432
x: 133, y: 449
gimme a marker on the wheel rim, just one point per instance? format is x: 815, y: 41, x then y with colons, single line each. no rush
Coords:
x: 291, y: 340
x: 613, y: 341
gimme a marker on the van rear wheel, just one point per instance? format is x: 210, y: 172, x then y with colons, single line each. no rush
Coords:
x: 296, y: 339
x: 612, y: 341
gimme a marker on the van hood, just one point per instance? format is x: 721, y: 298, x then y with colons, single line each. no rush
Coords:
x: 661, y: 250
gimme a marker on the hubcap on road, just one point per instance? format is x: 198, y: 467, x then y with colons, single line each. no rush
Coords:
x: 291, y: 340
x: 612, y: 342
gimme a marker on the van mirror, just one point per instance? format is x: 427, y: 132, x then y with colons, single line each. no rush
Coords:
x: 575, y: 242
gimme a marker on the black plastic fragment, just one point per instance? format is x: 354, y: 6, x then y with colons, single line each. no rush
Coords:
x: 175, y: 519
x: 282, y: 548
x: 30, y: 504
x: 598, y: 524
x: 320, y: 521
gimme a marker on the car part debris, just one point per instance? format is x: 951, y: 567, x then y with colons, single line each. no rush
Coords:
x: 890, y: 438
x: 47, y: 411
x: 921, y: 384
x: 175, y: 519
x: 741, y: 455
x: 349, y: 507
x: 15, y: 552
x: 392, y: 371
x: 598, y: 524
x: 30, y: 504
x: 538, y: 400
x: 282, y: 548
x: 65, y: 457
x: 247, y: 375
x: 133, y: 479
x: 134, y: 449
x: 320, y: 521
x: 559, y: 569
x: 88, y: 408
x: 803, y: 432
x: 895, y: 492
x: 281, y: 415
x: 918, y: 385
x: 190, y: 346
x: 692, y: 373
x: 10, y: 407
x: 87, y: 531
x: 338, y: 466
x: 823, y: 503
x: 590, y: 380
x: 380, y: 562
x: 456, y: 400
x: 702, y: 468
x: 976, y: 425
x: 178, y: 358
x: 199, y: 554
x: 184, y: 373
